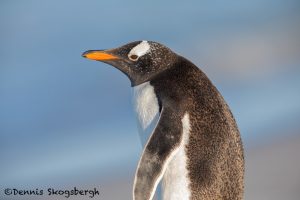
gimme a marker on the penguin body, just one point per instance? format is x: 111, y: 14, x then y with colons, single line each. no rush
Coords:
x: 192, y: 143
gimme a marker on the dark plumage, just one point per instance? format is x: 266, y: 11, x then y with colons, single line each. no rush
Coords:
x: 215, y: 161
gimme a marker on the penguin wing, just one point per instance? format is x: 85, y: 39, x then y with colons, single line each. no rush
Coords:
x: 159, y: 150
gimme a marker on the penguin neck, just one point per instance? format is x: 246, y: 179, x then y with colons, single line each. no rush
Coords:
x: 147, y: 110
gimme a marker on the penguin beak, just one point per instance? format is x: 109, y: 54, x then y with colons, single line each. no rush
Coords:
x: 111, y: 57
x: 99, y: 55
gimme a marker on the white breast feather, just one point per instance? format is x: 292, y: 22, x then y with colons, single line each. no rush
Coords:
x: 146, y: 103
x: 175, y: 181
x: 147, y: 109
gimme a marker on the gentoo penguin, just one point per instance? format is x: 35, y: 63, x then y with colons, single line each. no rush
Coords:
x: 195, y: 148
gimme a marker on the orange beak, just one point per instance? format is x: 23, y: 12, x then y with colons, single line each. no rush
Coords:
x: 99, y: 55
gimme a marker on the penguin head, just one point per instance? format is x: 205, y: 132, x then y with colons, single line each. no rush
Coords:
x: 141, y: 61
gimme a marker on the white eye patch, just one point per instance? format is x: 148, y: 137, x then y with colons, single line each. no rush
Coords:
x: 140, y: 49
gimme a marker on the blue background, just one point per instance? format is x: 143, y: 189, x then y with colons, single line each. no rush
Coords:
x: 66, y: 121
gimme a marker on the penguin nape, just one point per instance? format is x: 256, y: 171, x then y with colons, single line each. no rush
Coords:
x: 191, y: 141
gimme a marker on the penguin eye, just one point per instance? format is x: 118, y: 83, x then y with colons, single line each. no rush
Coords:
x: 133, y: 57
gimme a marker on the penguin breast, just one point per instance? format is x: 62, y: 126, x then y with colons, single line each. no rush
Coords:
x: 147, y: 110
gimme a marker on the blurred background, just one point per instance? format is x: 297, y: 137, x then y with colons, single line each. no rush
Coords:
x: 66, y: 121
